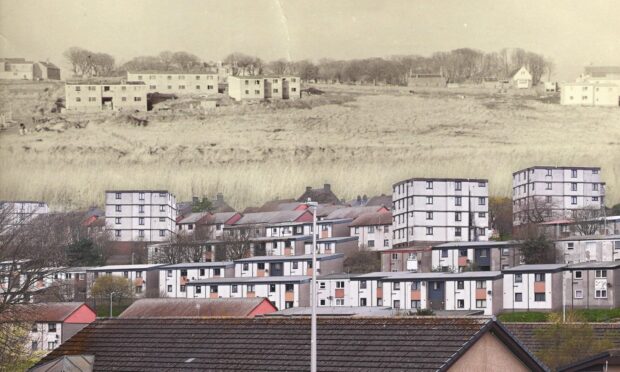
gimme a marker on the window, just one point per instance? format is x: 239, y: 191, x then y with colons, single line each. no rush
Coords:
x: 539, y: 297
x: 181, y: 288
x: 371, y: 229
x: 481, y: 304
x: 397, y: 304
x: 578, y: 275
x: 415, y: 285
x: 357, y: 229
x: 548, y: 199
x: 213, y: 289
x: 595, y: 187
x: 117, y: 220
x: 460, y: 284
x: 362, y: 284
x: 251, y: 288
x: 152, y: 87
x: 617, y: 244
x: 600, y: 293
x: 549, y: 186
x: 141, y: 196
x: 362, y: 302
x: 458, y: 201
x: 518, y: 278
x: 573, y: 200
x: 275, y: 90
x: 457, y: 231
x: 574, y: 173
x: 600, y: 274
x: 460, y: 304
x: 429, y: 200
x: 458, y: 186
x: 570, y: 245
x: 247, y: 92
x: 256, y: 82
x: 415, y: 304
x: 573, y: 186
x: 141, y: 209
x: 395, y: 256
x: 457, y: 216
x: 117, y: 233
x: 340, y: 302
x: 444, y: 253
x: 482, y: 201
x: 505, y: 251
x: 539, y: 277
x: 169, y: 273
x: 429, y: 185
x: 162, y: 208
x: 246, y: 266
x: 169, y: 288
x: 429, y: 231
x: 77, y: 89
x: 51, y: 327
x: 257, y: 92
x: 397, y: 286
x: 141, y: 221
x: 484, y: 253
x: 141, y: 233
x: 272, y: 288
x: 295, y: 265
x: 125, y: 274
x: 518, y: 297
x: 260, y: 266
x: 322, y: 303
x: 371, y: 243
x: 198, y: 289
x: 162, y: 232
x: 117, y: 208
x: 234, y: 288
x: 481, y: 284
x: 118, y: 195
x: 321, y: 285
x: 595, y: 198
x: 217, y: 272
x: 578, y: 293
x: 51, y: 345
x: 429, y: 215
x: 202, y: 272
x: 482, y: 215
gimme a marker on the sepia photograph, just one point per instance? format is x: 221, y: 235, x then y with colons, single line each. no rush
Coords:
x: 288, y: 185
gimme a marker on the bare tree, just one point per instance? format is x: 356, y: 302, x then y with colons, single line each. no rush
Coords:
x: 185, y: 61
x: 278, y: 67
x: 588, y: 221
x: 236, y: 244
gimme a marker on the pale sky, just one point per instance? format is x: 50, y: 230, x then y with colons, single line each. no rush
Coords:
x: 573, y: 33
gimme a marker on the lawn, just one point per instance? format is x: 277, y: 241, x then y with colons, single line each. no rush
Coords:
x: 589, y: 315
x: 359, y: 139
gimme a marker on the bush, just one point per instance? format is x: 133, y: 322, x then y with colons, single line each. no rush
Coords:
x: 425, y: 312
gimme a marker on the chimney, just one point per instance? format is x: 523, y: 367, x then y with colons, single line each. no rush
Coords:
x: 308, y: 188
x: 194, y: 200
x: 219, y: 196
x: 327, y: 187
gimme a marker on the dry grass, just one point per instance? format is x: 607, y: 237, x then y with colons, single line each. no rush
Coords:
x: 359, y: 139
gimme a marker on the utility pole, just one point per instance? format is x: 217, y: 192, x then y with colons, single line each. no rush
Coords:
x: 313, y: 357
x: 111, y: 293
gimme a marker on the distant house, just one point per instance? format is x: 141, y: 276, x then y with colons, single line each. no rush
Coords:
x: 345, y: 344
x: 46, y: 71
x: 52, y: 323
x: 373, y: 230
x: 427, y: 80
x: 198, y: 308
x: 243, y: 88
x: 177, y: 82
x: 522, y: 79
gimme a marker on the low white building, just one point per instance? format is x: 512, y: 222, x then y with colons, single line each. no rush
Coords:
x: 173, y: 279
x: 95, y: 96
x: 283, y: 291
x: 242, y: 88
x: 589, y: 93
x: 533, y: 287
x: 476, y: 256
x: 346, y: 245
x: 142, y: 278
x: 374, y: 230
x: 577, y: 249
x: 272, y: 266
x: 176, y: 83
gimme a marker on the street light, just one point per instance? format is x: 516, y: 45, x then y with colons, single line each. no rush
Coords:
x: 111, y: 294
x: 314, y: 206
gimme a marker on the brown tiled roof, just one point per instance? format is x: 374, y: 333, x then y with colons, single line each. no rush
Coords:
x: 373, y: 219
x: 527, y: 333
x: 192, y: 308
x: 351, y: 212
x: 279, y: 344
x: 274, y: 205
x: 323, y: 195
x: 42, y: 312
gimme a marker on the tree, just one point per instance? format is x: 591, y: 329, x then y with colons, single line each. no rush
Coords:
x: 166, y: 58
x: 15, y: 351
x: 185, y: 61
x: 84, y: 252
x: 568, y: 342
x: 102, y: 64
x: 363, y: 261
x: 615, y: 210
x: 237, y: 244
x: 279, y: 67
x: 538, y: 249
x: 500, y: 211
x: 587, y: 221
x: 79, y: 60
x: 111, y: 285
x: 203, y: 205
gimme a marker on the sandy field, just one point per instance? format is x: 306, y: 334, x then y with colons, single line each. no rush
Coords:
x: 359, y: 139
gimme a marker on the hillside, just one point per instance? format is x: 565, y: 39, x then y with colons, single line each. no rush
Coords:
x: 359, y: 139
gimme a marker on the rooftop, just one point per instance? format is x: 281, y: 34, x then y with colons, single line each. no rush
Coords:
x: 239, y: 344
x: 485, y: 244
x: 253, y: 280
x: 354, y: 212
x: 593, y: 265
x: 270, y: 217
x: 365, y: 311
x: 193, y: 308
x: 441, y: 180
x: 535, y: 268
x: 373, y: 219
x: 125, y: 267
x: 305, y: 257
x: 42, y: 312
x: 192, y: 265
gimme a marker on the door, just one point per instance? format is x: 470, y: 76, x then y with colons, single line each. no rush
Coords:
x: 276, y: 269
x: 436, y: 295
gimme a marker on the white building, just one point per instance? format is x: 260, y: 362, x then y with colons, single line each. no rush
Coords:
x: 533, y: 287
x: 522, y: 79
x: 242, y: 88
x: 140, y: 215
x: 588, y: 93
x: 373, y: 230
x: 142, y: 278
x: 551, y: 192
x: 173, y: 279
x: 476, y: 256
x: 94, y: 96
x: 440, y: 210
x: 577, y: 249
x: 271, y: 266
x: 283, y: 291
x: 176, y: 83
x: 20, y: 212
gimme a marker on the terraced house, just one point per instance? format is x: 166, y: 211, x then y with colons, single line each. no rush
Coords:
x: 84, y: 96
x: 176, y: 83
x: 173, y: 279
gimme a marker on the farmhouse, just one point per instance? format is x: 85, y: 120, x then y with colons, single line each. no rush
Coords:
x: 522, y: 79
x: 242, y: 88
x: 85, y: 96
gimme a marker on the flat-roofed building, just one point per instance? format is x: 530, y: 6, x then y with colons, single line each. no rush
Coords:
x: 476, y: 256
x: 242, y: 88
x: 543, y: 193
x: 179, y: 83
x: 584, y: 248
x: 268, y: 266
x: 588, y: 93
x: 173, y: 279
x: 592, y: 285
x: 96, y: 96
x: 533, y: 287
x: 440, y: 210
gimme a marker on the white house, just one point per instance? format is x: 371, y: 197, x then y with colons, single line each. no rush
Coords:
x: 522, y: 79
x: 587, y: 93
x: 140, y: 215
x: 20, y: 212
x: 283, y: 291
x: 373, y: 230
x: 173, y: 279
x: 270, y: 266
x: 176, y: 83
x: 242, y: 88
x: 533, y: 287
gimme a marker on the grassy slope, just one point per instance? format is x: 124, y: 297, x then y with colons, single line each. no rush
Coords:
x: 589, y: 315
x: 255, y: 153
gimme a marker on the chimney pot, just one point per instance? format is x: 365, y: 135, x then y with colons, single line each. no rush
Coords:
x: 327, y: 186
x: 308, y: 188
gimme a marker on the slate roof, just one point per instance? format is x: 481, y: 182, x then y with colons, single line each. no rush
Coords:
x: 593, y: 265
x: 352, y: 212
x: 324, y: 210
x: 274, y: 205
x: 270, y: 217
x: 278, y: 344
x: 373, y: 219
x: 304, y: 257
x: 382, y: 199
x: 481, y: 244
x: 323, y: 195
x: 192, y: 308
x: 193, y: 217
x: 535, y: 268
x: 527, y: 334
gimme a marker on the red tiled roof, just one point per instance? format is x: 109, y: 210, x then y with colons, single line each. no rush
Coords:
x: 193, y: 308
x: 42, y: 312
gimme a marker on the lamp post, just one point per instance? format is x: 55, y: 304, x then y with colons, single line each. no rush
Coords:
x: 111, y: 294
x: 313, y: 205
